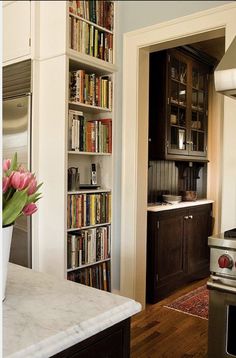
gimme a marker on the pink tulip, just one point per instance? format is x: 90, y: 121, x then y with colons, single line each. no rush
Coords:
x: 21, y: 169
x: 29, y: 209
x: 5, y: 184
x: 20, y: 181
x: 6, y: 164
x: 32, y: 186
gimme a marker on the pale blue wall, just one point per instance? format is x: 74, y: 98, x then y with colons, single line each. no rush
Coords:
x: 134, y: 15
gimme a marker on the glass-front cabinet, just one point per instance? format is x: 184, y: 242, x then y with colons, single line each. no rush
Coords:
x: 178, y: 106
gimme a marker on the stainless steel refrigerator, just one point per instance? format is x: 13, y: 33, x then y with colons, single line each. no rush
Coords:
x: 17, y: 138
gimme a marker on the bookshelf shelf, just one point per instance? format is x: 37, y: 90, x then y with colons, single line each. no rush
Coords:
x: 89, y: 191
x: 88, y: 108
x: 88, y: 227
x: 88, y: 265
x: 88, y: 153
x: 88, y: 62
x: 91, y: 23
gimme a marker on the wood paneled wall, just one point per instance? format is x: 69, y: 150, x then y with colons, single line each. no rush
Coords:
x: 163, y: 178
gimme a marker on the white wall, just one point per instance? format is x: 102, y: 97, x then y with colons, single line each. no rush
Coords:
x: 133, y: 15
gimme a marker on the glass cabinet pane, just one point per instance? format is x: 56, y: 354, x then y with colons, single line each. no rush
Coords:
x: 182, y: 95
x: 174, y: 92
x: 174, y: 115
x: 197, y: 139
x: 194, y: 99
x: 177, y: 116
x: 195, y: 78
x: 200, y: 101
x: 201, y: 120
x: 182, y: 117
x: 174, y: 68
x: 178, y: 138
x: 200, y: 141
x: 202, y: 84
x: 195, y: 124
x: 183, y: 72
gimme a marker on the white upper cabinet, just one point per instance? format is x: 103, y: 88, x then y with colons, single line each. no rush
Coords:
x: 16, y: 30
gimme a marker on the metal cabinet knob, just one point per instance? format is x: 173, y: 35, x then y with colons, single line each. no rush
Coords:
x: 186, y: 217
x: 190, y: 216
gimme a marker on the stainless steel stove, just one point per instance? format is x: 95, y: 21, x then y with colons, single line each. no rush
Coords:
x: 222, y: 295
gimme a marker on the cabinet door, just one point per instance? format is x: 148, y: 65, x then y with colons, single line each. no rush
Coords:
x: 165, y: 260
x: 197, y: 134
x: 177, y: 104
x: 16, y: 30
x: 170, y: 263
x: 197, y: 229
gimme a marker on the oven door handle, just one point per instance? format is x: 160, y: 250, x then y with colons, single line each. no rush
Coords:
x: 220, y: 287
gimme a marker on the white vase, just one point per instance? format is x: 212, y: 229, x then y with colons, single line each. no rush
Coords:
x: 6, y: 245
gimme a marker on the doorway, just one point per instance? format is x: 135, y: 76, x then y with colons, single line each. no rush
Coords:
x: 204, y: 26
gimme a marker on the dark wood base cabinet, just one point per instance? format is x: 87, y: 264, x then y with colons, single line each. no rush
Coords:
x: 177, y: 249
x: 113, y: 342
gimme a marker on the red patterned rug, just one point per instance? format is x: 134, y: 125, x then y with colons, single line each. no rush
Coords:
x: 194, y: 303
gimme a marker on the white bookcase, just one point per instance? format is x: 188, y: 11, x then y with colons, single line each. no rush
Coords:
x: 53, y: 64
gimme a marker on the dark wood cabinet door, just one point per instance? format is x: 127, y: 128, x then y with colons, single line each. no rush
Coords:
x: 165, y: 256
x: 178, y: 99
x: 196, y: 231
x: 198, y: 110
x: 169, y: 248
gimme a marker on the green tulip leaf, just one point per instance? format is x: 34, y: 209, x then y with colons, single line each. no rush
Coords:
x: 14, y: 207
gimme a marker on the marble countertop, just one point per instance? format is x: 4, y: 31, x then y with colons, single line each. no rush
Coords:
x: 43, y: 315
x: 182, y: 204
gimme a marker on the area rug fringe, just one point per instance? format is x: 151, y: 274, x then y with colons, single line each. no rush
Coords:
x: 187, y: 313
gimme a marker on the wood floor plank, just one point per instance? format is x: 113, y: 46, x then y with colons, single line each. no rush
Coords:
x: 159, y: 332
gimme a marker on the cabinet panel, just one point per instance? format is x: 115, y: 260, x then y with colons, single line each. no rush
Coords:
x: 197, y: 230
x: 16, y: 30
x: 178, y: 103
x: 165, y: 253
x: 170, y: 248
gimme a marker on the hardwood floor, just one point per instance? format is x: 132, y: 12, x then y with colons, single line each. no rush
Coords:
x: 159, y: 332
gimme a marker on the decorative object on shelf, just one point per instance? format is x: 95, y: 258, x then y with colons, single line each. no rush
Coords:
x: 172, y: 199
x: 19, y: 195
x: 73, y: 179
x: 189, y: 195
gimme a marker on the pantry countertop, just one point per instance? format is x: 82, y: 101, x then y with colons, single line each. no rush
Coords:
x: 183, y: 204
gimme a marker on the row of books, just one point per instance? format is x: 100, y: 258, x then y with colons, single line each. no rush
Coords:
x: 97, y: 11
x: 88, y: 246
x: 89, y: 135
x: 88, y: 209
x: 90, y: 89
x: 97, y: 276
x: 88, y: 39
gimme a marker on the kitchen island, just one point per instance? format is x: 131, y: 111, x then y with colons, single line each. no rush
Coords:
x: 46, y: 317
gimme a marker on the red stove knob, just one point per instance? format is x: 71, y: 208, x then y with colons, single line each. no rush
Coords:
x: 225, y: 261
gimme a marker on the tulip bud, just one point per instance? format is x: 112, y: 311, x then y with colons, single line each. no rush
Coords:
x: 5, y: 184
x: 29, y: 209
x: 32, y: 186
x: 6, y: 164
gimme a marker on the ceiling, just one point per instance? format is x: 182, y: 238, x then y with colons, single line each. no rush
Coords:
x: 214, y: 47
